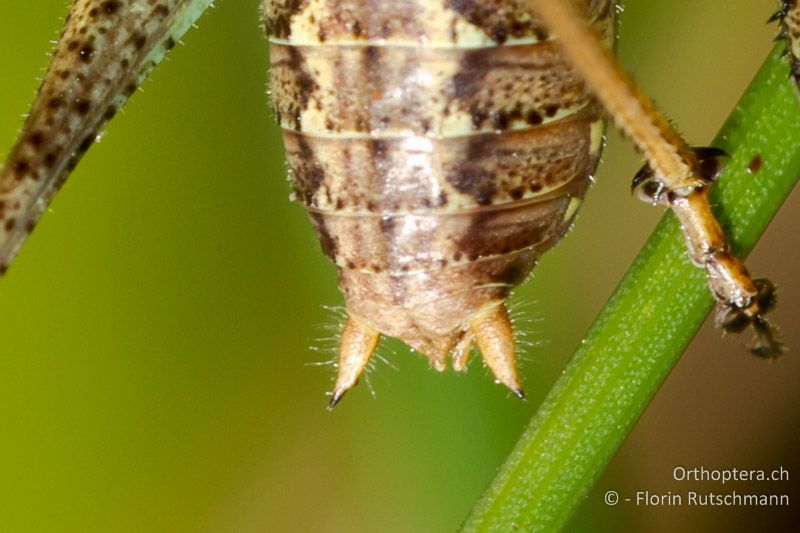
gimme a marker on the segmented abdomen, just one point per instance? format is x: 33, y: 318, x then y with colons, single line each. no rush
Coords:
x: 439, y: 146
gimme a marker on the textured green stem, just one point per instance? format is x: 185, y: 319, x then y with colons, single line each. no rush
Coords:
x: 647, y: 323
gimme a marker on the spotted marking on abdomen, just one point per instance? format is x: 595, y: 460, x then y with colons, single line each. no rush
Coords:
x: 439, y: 146
x: 431, y: 23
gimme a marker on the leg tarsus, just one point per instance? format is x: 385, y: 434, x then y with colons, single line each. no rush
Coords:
x: 647, y: 187
x: 765, y: 343
x: 731, y: 318
x: 742, y: 301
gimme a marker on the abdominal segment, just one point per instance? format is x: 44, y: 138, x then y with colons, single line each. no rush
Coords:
x: 436, y: 162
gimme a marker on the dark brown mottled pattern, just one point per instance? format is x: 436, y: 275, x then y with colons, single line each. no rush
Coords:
x: 401, y: 175
x: 413, y: 242
x: 371, y: 20
x: 295, y: 90
x: 278, y: 16
x: 435, y: 176
x: 420, y: 90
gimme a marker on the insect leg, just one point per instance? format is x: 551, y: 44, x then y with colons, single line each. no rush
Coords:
x: 675, y: 176
x: 789, y: 17
x: 106, y: 50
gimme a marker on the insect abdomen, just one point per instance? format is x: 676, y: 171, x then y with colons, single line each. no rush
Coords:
x: 439, y: 148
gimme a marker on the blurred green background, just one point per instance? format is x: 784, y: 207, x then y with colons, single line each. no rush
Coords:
x: 155, y: 371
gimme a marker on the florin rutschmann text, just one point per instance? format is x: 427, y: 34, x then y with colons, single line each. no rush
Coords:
x: 710, y: 498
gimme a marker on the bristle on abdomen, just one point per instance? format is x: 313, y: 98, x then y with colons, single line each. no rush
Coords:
x: 439, y: 147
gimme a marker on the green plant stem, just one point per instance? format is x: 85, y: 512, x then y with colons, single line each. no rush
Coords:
x: 647, y: 323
